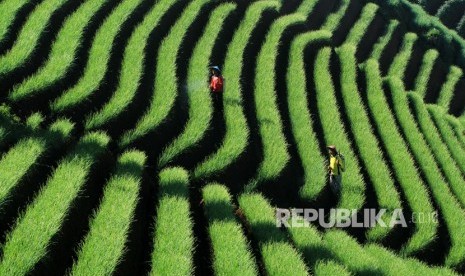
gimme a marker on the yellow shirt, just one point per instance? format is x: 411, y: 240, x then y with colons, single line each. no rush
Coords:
x: 333, y: 164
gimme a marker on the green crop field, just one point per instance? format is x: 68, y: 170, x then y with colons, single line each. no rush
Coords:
x: 117, y: 159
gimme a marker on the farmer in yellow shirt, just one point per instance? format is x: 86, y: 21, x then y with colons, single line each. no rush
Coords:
x: 335, y: 169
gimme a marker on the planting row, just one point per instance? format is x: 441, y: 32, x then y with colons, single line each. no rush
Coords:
x: 200, y: 102
x: 27, y: 40
x: 447, y: 202
x: 62, y: 54
x: 32, y: 234
x: 316, y: 248
x: 165, y: 90
x: 275, y: 148
x: 22, y: 159
x: 450, y: 12
x: 99, y: 56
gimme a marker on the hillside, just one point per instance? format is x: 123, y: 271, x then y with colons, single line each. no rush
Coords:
x: 116, y: 158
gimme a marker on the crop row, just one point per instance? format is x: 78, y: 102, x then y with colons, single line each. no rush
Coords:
x: 9, y: 10
x: 422, y: 81
x: 231, y: 251
x: 383, y: 41
x: 200, y: 102
x: 400, y: 61
x: 452, y: 139
x: 131, y: 68
x: 450, y: 44
x: 449, y: 12
x: 331, y: 268
x: 457, y: 127
x: 365, y: 140
x: 99, y: 56
x: 360, y: 27
x: 334, y: 132
x: 11, y: 128
x: 237, y: 132
x: 165, y: 90
x: 449, y: 206
x: 448, y: 88
x: 279, y: 257
x: 333, y: 20
x: 26, y: 42
x: 173, y: 237
x: 444, y: 158
x: 402, y: 162
x: 275, y: 148
x: 104, y: 245
x: 275, y: 247
x: 24, y: 156
x: 335, y: 246
x: 27, y: 243
x: 312, y: 161
x: 62, y: 54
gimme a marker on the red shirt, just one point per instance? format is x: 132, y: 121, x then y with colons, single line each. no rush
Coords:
x: 216, y: 84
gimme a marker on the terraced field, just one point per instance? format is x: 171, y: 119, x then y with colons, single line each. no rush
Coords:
x: 115, y: 158
x: 450, y: 12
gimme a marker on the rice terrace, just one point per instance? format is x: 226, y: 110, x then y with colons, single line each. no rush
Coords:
x: 214, y: 137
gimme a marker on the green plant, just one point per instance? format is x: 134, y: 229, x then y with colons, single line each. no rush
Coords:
x: 391, y: 263
x: 275, y: 147
x: 26, y: 42
x: 448, y: 88
x: 237, y: 132
x: 9, y: 10
x: 62, y: 54
x: 131, y: 68
x: 165, y: 89
x: 330, y: 268
x: 459, y: 130
x: 426, y: 69
x: 449, y: 206
x: 450, y: 167
x: 231, y: 252
x: 99, y: 57
x: 279, y: 257
x: 344, y: 248
x: 353, y: 187
x: 306, y: 141
x: 309, y: 241
x: 45, y: 215
x: 442, y: 37
x: 12, y: 128
x: 367, y: 143
x: 408, y: 176
x: 173, y: 256
x: 400, y: 62
x: 104, y: 245
x: 23, y: 157
x: 334, y: 19
x: 383, y: 41
x: 450, y: 12
x: 360, y: 27
x: 200, y: 103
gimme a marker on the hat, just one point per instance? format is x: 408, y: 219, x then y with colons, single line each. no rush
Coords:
x: 331, y: 147
x: 216, y: 68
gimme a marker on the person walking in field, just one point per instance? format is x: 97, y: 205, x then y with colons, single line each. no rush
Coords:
x: 216, y: 88
x: 216, y: 80
x: 335, y: 169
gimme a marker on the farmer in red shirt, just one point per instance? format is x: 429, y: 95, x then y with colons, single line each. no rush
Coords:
x: 216, y: 80
x: 216, y: 87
